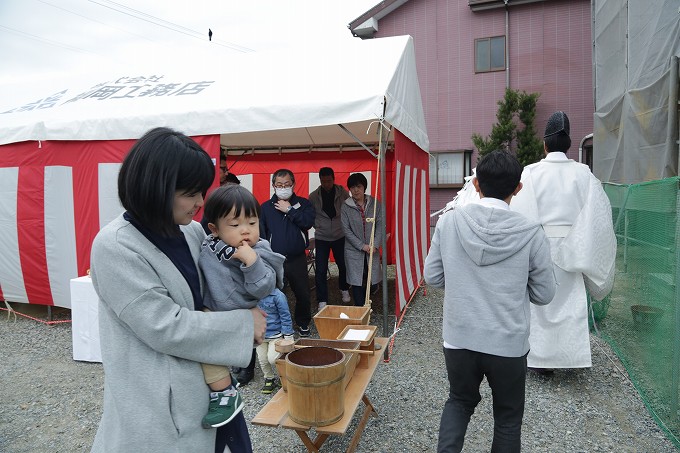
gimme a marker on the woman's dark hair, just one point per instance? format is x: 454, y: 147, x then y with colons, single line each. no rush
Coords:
x: 224, y: 199
x: 160, y: 163
x: 498, y: 174
x: 356, y: 179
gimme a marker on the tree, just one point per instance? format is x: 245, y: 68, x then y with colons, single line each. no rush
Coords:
x: 529, y: 145
x: 505, y: 132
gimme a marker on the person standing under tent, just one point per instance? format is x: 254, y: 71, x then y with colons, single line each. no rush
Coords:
x: 286, y: 218
x: 355, y: 211
x: 327, y: 200
x: 570, y: 203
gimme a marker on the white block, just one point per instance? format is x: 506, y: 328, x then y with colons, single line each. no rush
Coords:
x: 85, y: 320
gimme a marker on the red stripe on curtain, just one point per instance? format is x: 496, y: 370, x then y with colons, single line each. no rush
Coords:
x: 31, y: 234
x: 408, y: 153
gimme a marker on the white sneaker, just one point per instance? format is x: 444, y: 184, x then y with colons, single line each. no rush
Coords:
x: 321, y: 306
x: 345, y: 295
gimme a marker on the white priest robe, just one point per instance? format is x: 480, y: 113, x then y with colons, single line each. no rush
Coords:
x: 570, y: 203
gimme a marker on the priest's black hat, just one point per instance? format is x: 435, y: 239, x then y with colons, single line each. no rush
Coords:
x: 558, y: 122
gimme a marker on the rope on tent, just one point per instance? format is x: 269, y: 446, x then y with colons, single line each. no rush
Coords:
x: 371, y: 220
x: 11, y: 311
x: 367, y: 300
x: 397, y: 324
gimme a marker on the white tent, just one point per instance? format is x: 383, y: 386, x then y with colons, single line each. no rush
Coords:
x: 283, y: 98
x: 61, y: 145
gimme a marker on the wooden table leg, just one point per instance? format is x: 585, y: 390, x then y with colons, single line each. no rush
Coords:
x: 368, y: 411
x: 312, y: 446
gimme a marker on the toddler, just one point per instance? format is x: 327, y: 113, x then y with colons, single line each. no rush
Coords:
x: 240, y: 269
x: 279, y: 325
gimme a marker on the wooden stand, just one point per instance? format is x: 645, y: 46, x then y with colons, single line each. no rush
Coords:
x: 275, y: 412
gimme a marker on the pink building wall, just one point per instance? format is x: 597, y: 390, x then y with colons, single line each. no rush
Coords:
x: 549, y: 52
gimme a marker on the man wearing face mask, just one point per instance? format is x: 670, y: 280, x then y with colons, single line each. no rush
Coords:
x: 284, y: 222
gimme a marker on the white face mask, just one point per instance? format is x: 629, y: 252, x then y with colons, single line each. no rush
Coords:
x: 285, y: 193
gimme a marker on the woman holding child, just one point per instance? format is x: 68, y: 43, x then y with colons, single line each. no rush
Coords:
x: 153, y: 332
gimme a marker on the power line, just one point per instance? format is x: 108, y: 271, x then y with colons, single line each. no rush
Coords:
x: 48, y: 41
x: 97, y: 21
x: 115, y: 6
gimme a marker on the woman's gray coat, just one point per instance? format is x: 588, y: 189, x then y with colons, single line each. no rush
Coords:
x: 152, y: 341
x: 356, y: 237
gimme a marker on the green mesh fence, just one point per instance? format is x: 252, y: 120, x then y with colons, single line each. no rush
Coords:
x: 640, y: 317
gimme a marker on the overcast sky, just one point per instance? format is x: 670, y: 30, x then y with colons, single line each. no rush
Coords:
x: 41, y: 38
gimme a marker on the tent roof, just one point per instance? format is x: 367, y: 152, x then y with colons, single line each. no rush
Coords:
x: 288, y: 98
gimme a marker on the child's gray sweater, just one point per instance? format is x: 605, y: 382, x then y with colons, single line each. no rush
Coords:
x: 229, y: 284
x: 491, y: 262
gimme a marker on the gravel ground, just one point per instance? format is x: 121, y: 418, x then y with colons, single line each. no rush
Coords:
x: 50, y: 403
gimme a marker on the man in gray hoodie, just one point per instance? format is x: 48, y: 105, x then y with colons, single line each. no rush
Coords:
x: 491, y: 262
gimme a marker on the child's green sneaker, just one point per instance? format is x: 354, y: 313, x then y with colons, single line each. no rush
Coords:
x: 224, y: 406
x: 269, y: 386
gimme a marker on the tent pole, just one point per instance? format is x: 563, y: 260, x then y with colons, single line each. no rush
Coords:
x: 672, y: 139
x: 359, y: 142
x: 383, y: 242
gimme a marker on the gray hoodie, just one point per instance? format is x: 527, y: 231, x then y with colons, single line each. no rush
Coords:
x: 491, y: 263
x: 230, y: 284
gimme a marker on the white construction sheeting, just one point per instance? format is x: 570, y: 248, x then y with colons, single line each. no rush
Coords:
x: 634, y: 137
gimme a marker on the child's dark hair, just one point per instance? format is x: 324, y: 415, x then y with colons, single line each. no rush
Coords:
x: 160, y: 163
x: 224, y: 199
x: 356, y: 179
x: 232, y: 179
x: 498, y: 174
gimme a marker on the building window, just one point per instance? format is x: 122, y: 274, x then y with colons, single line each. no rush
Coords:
x: 490, y: 54
x: 449, y: 168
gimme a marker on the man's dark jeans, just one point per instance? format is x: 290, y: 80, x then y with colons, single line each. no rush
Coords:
x: 506, y: 377
x: 295, y: 271
x: 321, y: 256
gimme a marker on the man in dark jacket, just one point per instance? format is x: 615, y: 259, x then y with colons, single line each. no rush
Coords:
x: 327, y: 200
x: 284, y: 222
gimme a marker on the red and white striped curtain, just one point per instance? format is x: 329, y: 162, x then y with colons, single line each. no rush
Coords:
x: 56, y: 196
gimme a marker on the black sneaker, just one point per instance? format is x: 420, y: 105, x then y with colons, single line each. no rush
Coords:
x: 547, y: 372
x: 269, y: 386
x: 245, y: 376
x: 304, y: 332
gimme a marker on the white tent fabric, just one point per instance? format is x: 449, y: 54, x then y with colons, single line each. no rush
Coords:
x: 260, y: 99
x: 634, y: 43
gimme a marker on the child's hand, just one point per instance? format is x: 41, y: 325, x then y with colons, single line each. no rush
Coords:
x: 245, y: 254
